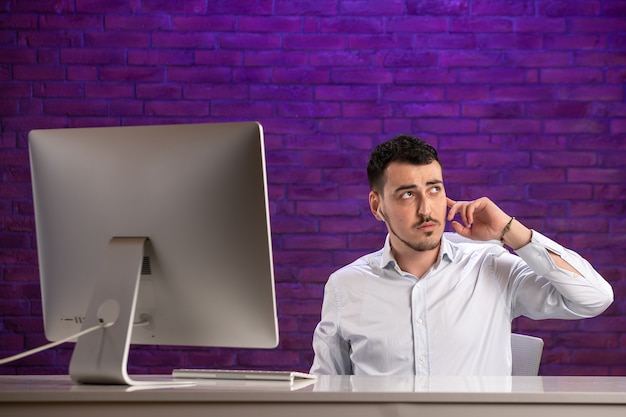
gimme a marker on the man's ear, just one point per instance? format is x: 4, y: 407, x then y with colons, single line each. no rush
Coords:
x: 374, y: 199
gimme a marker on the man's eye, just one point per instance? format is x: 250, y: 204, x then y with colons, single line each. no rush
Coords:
x: 407, y: 194
x: 435, y: 189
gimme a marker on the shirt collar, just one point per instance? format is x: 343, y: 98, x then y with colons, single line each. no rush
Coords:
x: 446, y: 253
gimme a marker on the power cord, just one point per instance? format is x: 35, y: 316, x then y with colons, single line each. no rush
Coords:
x: 59, y: 342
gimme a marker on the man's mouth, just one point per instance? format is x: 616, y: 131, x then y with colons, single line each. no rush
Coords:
x: 427, y: 224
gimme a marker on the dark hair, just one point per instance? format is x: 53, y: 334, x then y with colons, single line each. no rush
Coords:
x: 402, y: 148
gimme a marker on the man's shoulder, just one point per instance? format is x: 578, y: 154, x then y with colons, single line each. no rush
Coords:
x: 363, y: 264
x: 461, y: 244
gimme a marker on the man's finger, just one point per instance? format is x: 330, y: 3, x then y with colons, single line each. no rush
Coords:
x: 470, y: 214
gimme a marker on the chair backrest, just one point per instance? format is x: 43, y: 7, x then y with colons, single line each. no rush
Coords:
x: 526, y: 352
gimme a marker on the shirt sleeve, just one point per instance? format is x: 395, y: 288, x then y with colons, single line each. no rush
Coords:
x: 332, y: 352
x: 543, y: 290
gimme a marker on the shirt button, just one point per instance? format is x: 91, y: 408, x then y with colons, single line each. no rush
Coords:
x: 419, y: 321
x: 421, y: 358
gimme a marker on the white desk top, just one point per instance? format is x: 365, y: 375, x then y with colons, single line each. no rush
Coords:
x: 541, y: 390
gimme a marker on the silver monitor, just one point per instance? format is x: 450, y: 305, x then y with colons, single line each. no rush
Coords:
x: 162, y: 230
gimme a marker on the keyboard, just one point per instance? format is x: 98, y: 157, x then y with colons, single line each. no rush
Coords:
x: 237, y: 374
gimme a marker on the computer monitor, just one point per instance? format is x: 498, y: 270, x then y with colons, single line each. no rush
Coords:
x: 162, y: 230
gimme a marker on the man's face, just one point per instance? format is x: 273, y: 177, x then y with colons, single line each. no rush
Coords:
x: 413, y: 205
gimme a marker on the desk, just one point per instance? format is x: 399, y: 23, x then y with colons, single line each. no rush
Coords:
x: 53, y: 396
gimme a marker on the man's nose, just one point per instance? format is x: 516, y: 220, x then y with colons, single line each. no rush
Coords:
x: 424, y: 208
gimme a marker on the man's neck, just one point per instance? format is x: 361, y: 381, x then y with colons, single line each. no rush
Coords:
x: 414, y: 262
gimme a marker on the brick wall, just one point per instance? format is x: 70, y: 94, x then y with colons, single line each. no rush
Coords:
x: 524, y: 99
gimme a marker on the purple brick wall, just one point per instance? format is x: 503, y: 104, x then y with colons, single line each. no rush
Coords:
x: 525, y: 100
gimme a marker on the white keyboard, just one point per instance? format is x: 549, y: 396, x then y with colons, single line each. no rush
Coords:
x: 237, y: 374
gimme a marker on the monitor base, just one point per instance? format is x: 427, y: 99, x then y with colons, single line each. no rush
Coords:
x: 101, y: 357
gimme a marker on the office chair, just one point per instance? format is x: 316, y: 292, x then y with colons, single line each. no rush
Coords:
x: 526, y: 350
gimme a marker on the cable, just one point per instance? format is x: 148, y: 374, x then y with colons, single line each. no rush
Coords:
x: 53, y: 344
x: 142, y: 323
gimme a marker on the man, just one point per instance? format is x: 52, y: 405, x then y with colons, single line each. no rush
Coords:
x: 423, y: 305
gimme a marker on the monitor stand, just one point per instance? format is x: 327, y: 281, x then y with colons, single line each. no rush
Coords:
x: 101, y: 357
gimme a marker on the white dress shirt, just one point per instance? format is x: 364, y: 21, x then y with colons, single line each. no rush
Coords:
x: 455, y: 320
